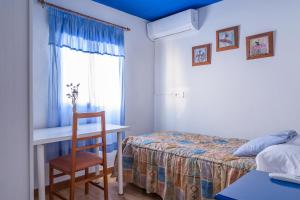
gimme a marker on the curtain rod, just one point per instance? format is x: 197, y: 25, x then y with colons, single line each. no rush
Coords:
x: 43, y: 2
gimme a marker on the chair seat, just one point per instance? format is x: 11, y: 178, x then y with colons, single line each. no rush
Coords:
x: 83, y: 160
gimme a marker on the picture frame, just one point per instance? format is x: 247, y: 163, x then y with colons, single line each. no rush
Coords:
x: 201, y: 55
x: 227, y: 38
x: 260, y: 45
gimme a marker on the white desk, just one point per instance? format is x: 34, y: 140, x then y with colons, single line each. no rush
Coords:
x: 50, y: 135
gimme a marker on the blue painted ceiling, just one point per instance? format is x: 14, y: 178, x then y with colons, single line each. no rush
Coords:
x: 154, y: 9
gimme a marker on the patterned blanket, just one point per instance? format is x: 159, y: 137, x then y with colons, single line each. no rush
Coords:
x: 181, y: 166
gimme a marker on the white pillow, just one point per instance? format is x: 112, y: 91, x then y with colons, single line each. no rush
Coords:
x: 282, y: 158
x: 295, y: 140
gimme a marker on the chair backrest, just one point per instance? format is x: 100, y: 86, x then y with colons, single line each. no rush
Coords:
x: 101, y: 134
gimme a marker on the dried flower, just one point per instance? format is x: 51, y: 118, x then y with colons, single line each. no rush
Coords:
x: 73, y: 95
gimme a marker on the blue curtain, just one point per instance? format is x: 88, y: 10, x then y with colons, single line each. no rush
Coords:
x: 78, y: 33
x: 81, y: 34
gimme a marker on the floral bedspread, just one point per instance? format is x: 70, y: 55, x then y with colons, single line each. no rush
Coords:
x: 182, y: 166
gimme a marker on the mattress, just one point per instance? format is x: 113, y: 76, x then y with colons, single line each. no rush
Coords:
x: 183, y: 166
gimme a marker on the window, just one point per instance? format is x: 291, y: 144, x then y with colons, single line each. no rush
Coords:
x: 99, y: 77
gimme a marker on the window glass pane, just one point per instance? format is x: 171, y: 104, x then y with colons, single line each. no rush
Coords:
x: 75, y: 70
x: 99, y: 78
x: 107, y: 82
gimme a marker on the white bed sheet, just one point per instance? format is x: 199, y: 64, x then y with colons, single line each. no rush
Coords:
x: 295, y: 140
x: 283, y: 158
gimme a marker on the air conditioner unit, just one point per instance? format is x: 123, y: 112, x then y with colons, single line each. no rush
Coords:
x: 177, y: 23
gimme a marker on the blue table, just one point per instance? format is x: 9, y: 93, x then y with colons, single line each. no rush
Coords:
x: 257, y: 185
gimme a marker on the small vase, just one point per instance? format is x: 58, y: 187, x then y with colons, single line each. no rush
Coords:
x: 74, y: 108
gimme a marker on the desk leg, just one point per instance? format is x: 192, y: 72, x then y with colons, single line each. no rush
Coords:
x: 41, y: 171
x: 120, y: 163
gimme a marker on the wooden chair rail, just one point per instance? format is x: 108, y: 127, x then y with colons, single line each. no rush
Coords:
x: 91, y: 177
x: 59, y: 175
x: 89, y: 115
x: 87, y: 180
x: 96, y: 185
x: 89, y: 147
x: 90, y: 137
x: 59, y: 195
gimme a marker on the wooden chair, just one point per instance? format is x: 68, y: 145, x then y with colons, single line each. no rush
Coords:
x: 78, y: 160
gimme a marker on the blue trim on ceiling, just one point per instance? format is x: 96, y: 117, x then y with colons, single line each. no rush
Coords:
x: 155, y: 9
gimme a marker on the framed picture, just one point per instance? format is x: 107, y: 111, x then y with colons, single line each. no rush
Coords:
x: 260, y: 46
x: 201, y: 55
x: 228, y: 38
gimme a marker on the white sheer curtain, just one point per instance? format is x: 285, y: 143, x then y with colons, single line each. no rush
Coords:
x: 101, y: 82
x: 99, y: 78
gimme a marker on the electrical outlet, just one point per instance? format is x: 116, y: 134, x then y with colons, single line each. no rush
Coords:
x: 179, y: 94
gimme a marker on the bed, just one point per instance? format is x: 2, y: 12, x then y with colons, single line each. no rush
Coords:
x: 182, y: 166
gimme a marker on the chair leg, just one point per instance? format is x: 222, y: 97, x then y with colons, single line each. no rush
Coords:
x: 86, y: 187
x: 51, y: 182
x: 72, y: 186
x: 105, y: 180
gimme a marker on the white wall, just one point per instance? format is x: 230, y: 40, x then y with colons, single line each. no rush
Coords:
x: 14, y: 106
x: 139, y: 63
x: 232, y: 97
